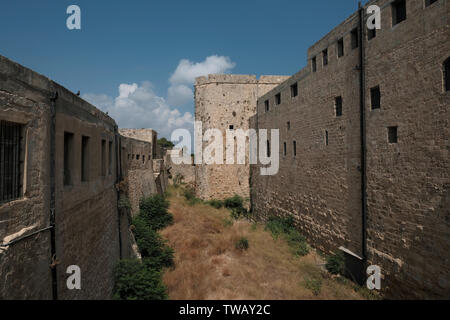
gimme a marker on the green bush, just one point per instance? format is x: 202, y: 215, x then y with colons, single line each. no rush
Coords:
x: 153, y: 210
x: 280, y: 225
x: 153, y: 249
x: 285, y: 227
x: 134, y: 281
x: 215, y: 203
x: 234, y: 202
x: 242, y: 244
x: 335, y: 263
x: 313, y: 284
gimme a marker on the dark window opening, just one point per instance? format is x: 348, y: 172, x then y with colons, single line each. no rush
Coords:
x: 284, y: 149
x: 143, y: 159
x: 84, y: 158
x: 231, y: 127
x: 314, y: 64
x: 266, y: 104
x: 355, y: 40
x: 371, y: 33
x: 129, y: 156
x: 447, y: 75
x: 268, y: 149
x: 325, y: 57
x: 393, y: 134
x: 338, y: 105
x: 289, y: 125
x: 326, y: 137
x: 110, y: 155
x: 104, y: 158
x: 294, y: 146
x: 278, y: 99
x: 138, y: 156
x: 375, y: 97
x: 68, y: 158
x: 398, y: 12
x: 294, y: 90
x: 340, y: 46
x: 429, y: 2
x: 10, y: 161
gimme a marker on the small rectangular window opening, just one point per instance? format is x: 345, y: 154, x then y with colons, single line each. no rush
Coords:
x: 314, y: 64
x: 294, y: 146
x: 325, y: 57
x: 393, y: 134
x: 326, y: 137
x: 278, y: 99
x: 375, y: 97
x: 266, y: 105
x: 84, y: 158
x: 294, y: 90
x: 355, y: 40
x: 103, y: 159
x: 340, y: 45
x: 68, y: 158
x: 371, y: 33
x: 398, y: 12
x: 338, y: 106
x: 284, y: 149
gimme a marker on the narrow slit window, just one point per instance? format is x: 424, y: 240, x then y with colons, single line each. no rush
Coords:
x: 288, y: 125
x: 84, y: 158
x: 10, y: 161
x: 284, y: 149
x: 338, y: 106
x: 325, y: 57
x: 314, y: 64
x: 447, y: 75
x: 340, y: 45
x: 278, y: 99
x: 294, y: 90
x: 68, y: 158
x: 326, y: 137
x: 266, y: 105
x: 268, y: 148
x: 398, y: 12
x: 371, y: 33
x: 110, y: 157
x: 103, y: 159
x: 355, y: 40
x: 294, y: 147
x: 375, y: 97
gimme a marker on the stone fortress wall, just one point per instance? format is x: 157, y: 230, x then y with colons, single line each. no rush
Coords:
x: 364, y: 145
x: 48, y: 224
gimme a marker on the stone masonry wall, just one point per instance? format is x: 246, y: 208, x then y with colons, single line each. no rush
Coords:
x: 407, y: 182
x: 222, y: 101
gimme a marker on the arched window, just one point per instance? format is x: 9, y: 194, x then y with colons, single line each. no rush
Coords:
x: 447, y: 75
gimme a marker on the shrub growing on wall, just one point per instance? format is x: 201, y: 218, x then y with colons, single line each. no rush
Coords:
x: 135, y: 281
x: 153, y: 210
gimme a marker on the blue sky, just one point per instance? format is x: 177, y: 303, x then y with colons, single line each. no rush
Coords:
x: 139, y: 45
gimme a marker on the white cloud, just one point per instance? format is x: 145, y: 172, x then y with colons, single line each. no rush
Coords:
x: 137, y: 106
x: 182, y: 80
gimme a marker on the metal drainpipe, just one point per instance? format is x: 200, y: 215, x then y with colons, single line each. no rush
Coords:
x: 363, y: 133
x: 52, y: 192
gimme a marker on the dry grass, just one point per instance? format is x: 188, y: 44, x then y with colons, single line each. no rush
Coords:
x: 208, y: 266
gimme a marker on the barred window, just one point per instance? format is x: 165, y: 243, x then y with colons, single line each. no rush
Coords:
x: 10, y: 161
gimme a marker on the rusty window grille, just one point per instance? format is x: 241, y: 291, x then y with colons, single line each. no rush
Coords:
x: 10, y: 161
